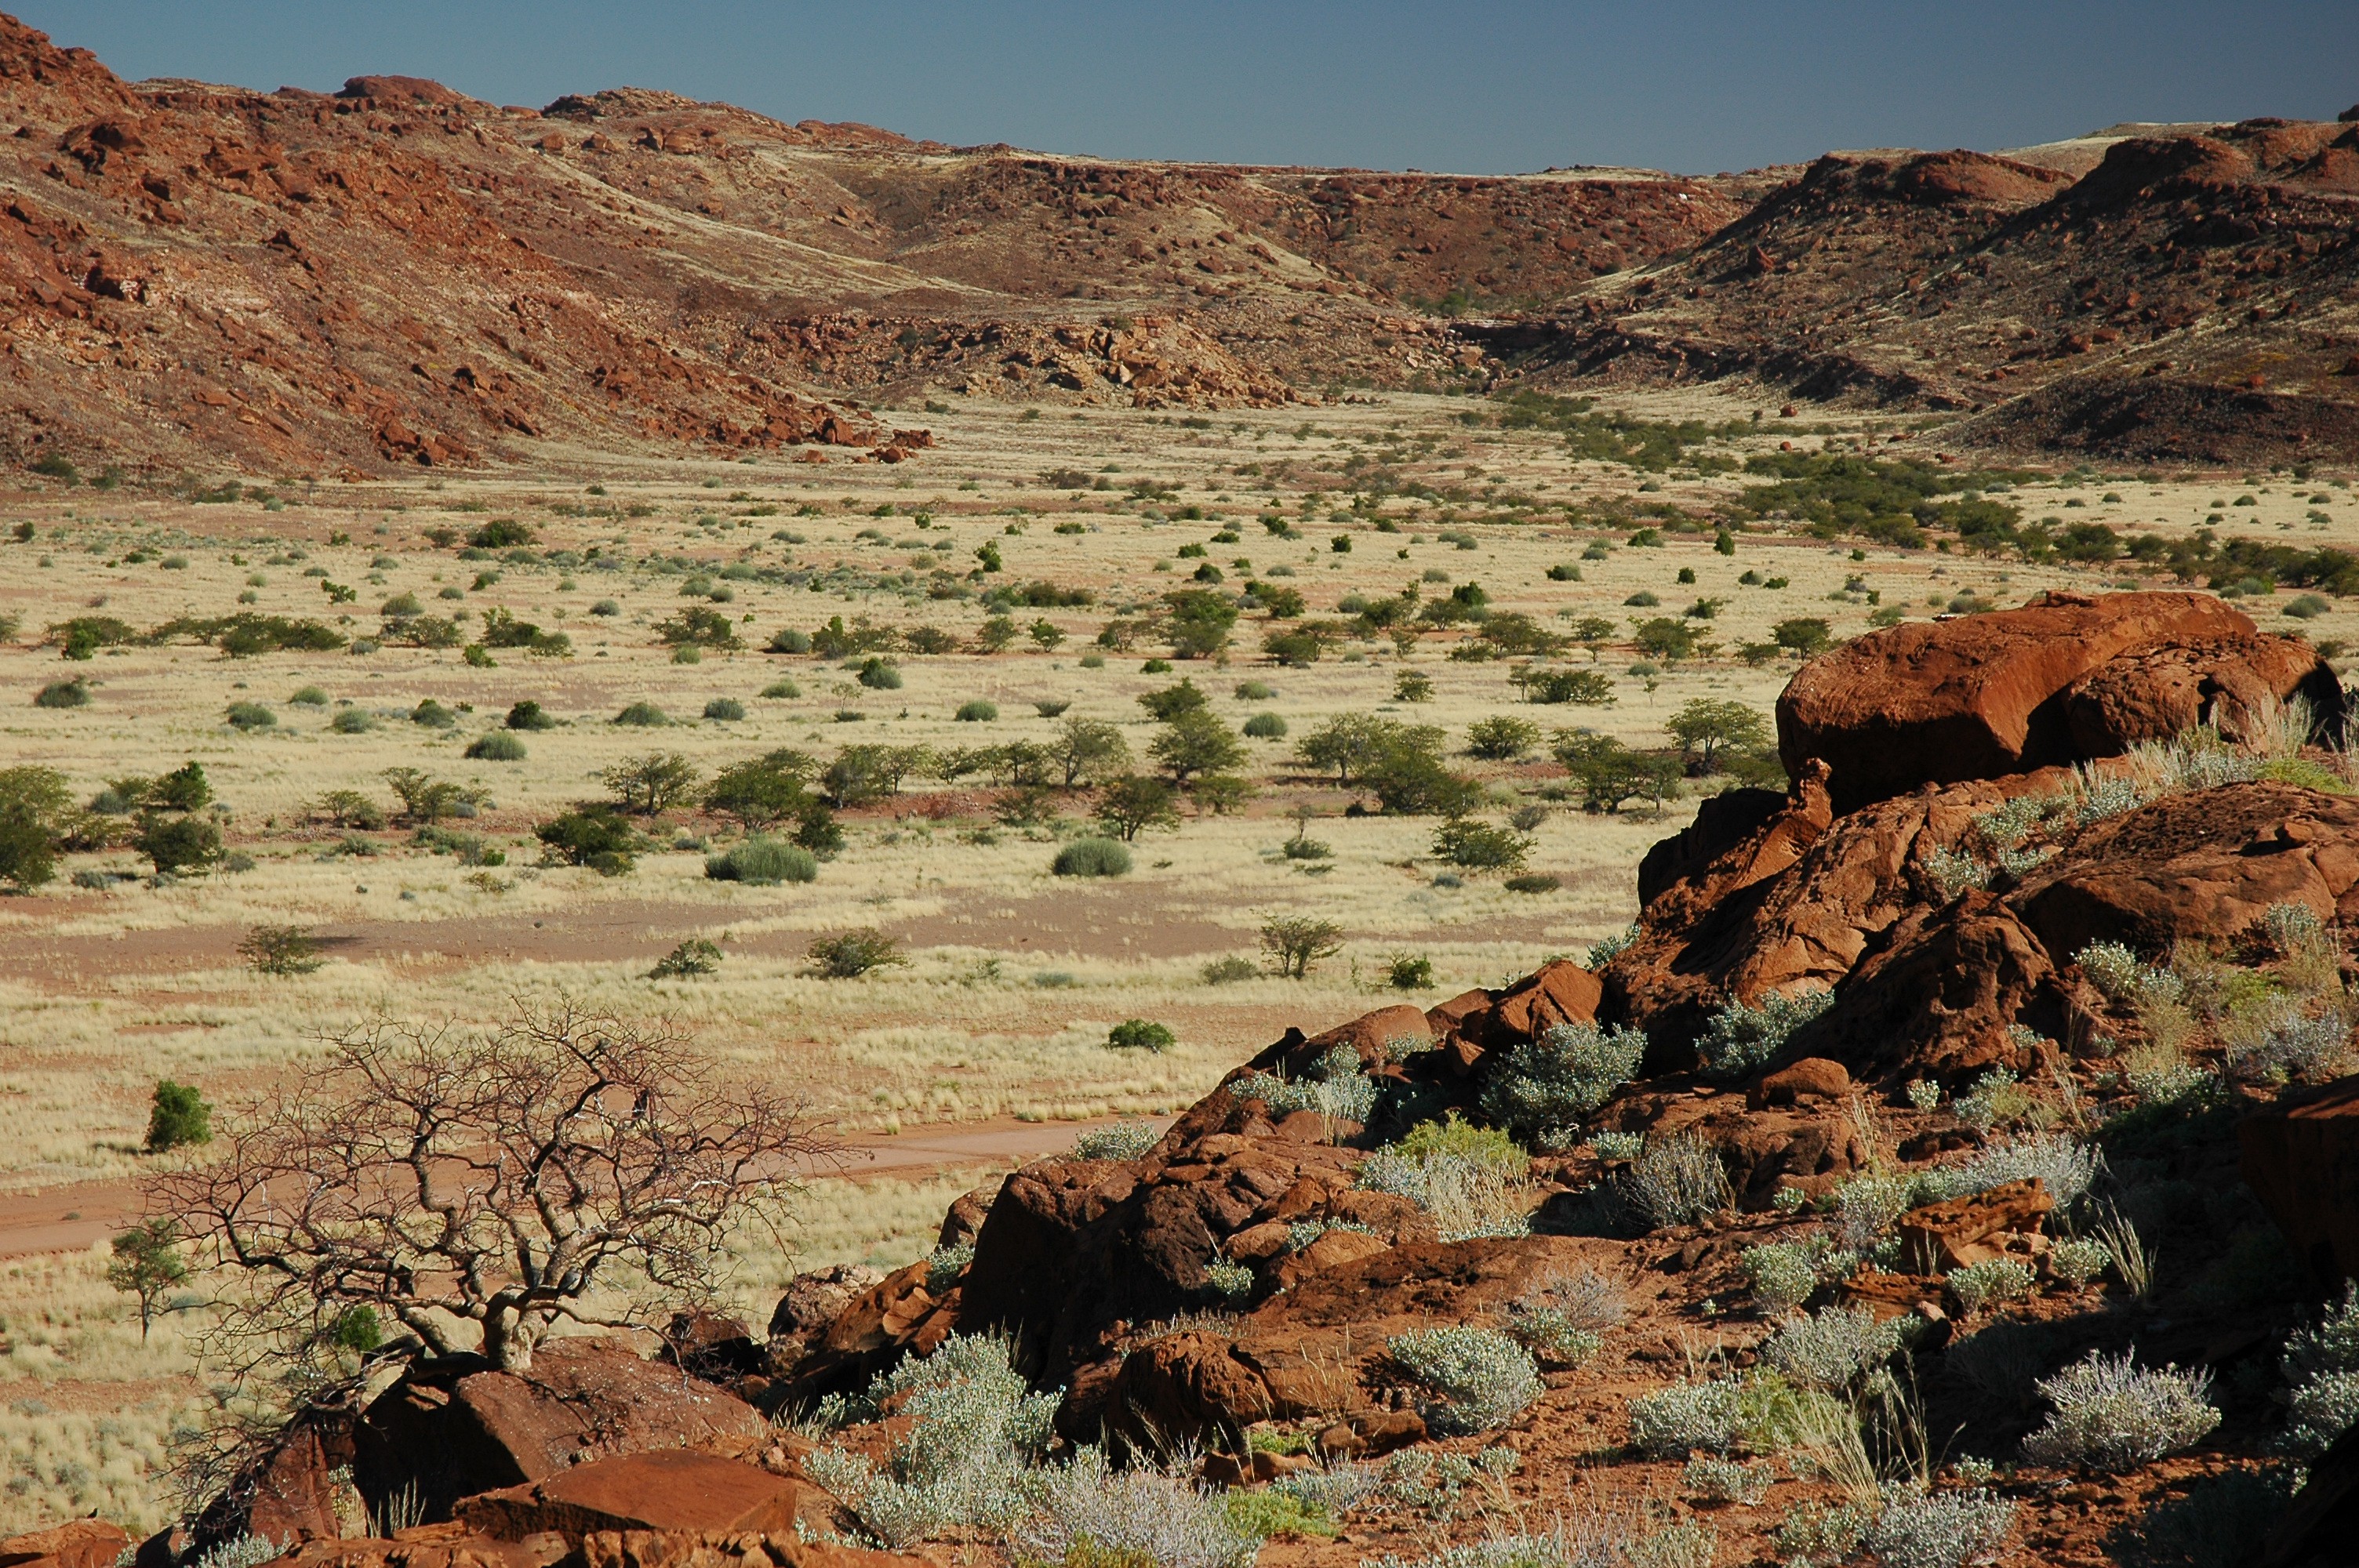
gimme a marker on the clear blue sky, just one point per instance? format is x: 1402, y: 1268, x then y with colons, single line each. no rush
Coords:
x: 1694, y: 85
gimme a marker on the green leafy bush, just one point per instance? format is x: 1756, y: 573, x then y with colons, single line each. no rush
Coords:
x: 694, y: 957
x: 854, y: 954
x: 1140, y: 1034
x: 641, y: 715
x: 597, y: 837
x: 1266, y: 727
x: 1092, y: 858
x: 352, y: 721
x: 250, y: 716
x: 1479, y: 1378
x: 727, y: 710
x: 178, y: 1115
x: 499, y: 746
x: 1552, y: 1083
x: 1741, y: 1040
x: 74, y: 693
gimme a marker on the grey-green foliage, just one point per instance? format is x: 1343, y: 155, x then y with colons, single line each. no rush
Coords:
x: 1086, y: 1511
x: 1727, y: 1481
x: 2321, y: 1367
x: 2077, y: 1261
x: 1992, y: 1280
x: 2112, y: 1415
x: 1550, y: 1084
x: 1604, y: 951
x: 1838, y: 1349
x: 1684, y: 1417
x: 1740, y: 1039
x: 1479, y: 1378
x: 2118, y: 972
x: 1823, y: 1532
x: 975, y: 1428
x: 1124, y: 1140
x: 2291, y: 1044
x: 247, y: 1550
x: 762, y: 862
x: 1938, y: 1530
x: 1333, y: 1086
x: 1785, y: 1275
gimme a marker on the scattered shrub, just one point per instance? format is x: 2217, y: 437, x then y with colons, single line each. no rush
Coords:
x: 352, y: 721
x: 1295, y: 943
x: 1334, y: 1086
x: 1140, y: 1034
x: 1479, y: 1376
x: 694, y: 957
x: 2111, y: 1415
x: 2077, y: 1262
x: 1474, y: 845
x: 1555, y: 1081
x: 600, y: 839
x: 2321, y: 1368
x: 279, y: 950
x: 762, y: 862
x: 1946, y: 1528
x: 1683, y: 1417
x: 781, y: 690
x: 74, y: 693
x: 1266, y: 727
x: 1726, y: 1481
x: 854, y: 954
x: 1783, y: 1274
x: 1741, y: 1040
x: 1092, y: 858
x: 641, y: 715
x: 1409, y: 972
x: 499, y: 746
x: 977, y: 712
x: 1086, y: 1514
x: 1837, y: 1349
x: 1124, y: 1140
x: 250, y: 716
x: 1229, y: 969
x: 727, y: 710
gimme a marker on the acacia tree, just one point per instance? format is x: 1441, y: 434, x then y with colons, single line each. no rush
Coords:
x: 484, y: 1184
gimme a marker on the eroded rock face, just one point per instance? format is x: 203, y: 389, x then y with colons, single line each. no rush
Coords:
x: 1980, y: 697
x: 2156, y: 693
x: 77, y: 1543
x: 2204, y: 864
x: 678, y: 1489
x: 454, y: 1430
x: 2300, y: 1157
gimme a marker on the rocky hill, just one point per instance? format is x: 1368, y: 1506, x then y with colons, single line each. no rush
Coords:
x: 396, y: 274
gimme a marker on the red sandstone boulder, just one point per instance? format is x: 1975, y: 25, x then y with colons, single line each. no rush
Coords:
x: 2156, y: 693
x: 1940, y: 1237
x: 77, y: 1543
x: 2300, y: 1156
x: 1939, y: 702
x: 678, y: 1489
x: 450, y: 1430
x: 1812, y: 1078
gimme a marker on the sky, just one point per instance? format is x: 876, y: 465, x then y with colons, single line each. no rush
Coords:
x: 1468, y: 86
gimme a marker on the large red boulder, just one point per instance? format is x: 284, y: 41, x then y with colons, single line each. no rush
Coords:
x: 2300, y: 1157
x: 2155, y: 693
x: 450, y: 1430
x: 1982, y: 695
x: 2206, y: 864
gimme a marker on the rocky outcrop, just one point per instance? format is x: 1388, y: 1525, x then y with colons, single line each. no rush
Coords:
x: 2300, y: 1157
x: 675, y: 1489
x: 450, y: 1430
x: 1985, y: 696
x: 2205, y: 864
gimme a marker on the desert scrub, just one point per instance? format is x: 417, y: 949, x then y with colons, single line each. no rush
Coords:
x: 1333, y: 1086
x: 1479, y: 1378
x: 1467, y: 1178
x: 1840, y: 1349
x: 1740, y: 1040
x: 1546, y: 1087
x: 1785, y: 1275
x: 74, y: 693
x: 727, y: 710
x: 249, y: 716
x: 1086, y: 1514
x: 1604, y: 951
x: 2111, y: 1415
x: 762, y: 862
x: 1563, y: 1319
x: 975, y: 1428
x: 697, y: 955
x: 641, y: 715
x: 2077, y: 1261
x: 2117, y: 971
x: 2322, y: 1371
x: 352, y: 721
x: 853, y: 953
x: 1125, y: 1140
x: 1914, y: 1528
x: 1092, y: 858
x: 1675, y: 1181
x: 1683, y: 1417
x: 1990, y: 1281
x: 2282, y: 1042
x: 1727, y: 1481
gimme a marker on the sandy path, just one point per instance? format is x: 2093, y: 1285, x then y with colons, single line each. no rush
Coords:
x: 70, y: 1218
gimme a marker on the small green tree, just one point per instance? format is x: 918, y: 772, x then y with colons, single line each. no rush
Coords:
x: 1707, y: 726
x: 597, y: 838
x: 1296, y: 942
x: 1607, y: 772
x: 1501, y: 740
x: 146, y: 1263
x: 1664, y: 638
x: 426, y: 800
x: 33, y: 800
x: 1804, y: 634
x: 174, y: 844
x: 178, y: 1115
x: 1480, y: 847
x: 760, y: 791
x: 651, y: 784
x: 1131, y: 803
x: 1198, y: 623
x: 185, y: 788
x: 1195, y: 741
x: 854, y: 954
x: 1169, y: 702
x: 1087, y: 748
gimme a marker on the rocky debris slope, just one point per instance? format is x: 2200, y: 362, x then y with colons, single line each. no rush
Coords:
x: 1900, y: 1054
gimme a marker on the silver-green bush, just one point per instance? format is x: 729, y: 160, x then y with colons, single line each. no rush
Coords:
x: 2321, y: 1368
x: 1556, y: 1081
x: 1837, y: 1348
x: 1740, y: 1040
x: 1086, y: 1511
x: 1124, y: 1140
x: 2112, y: 1415
x: 1939, y: 1529
x: 1479, y: 1376
x: 1676, y: 1181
